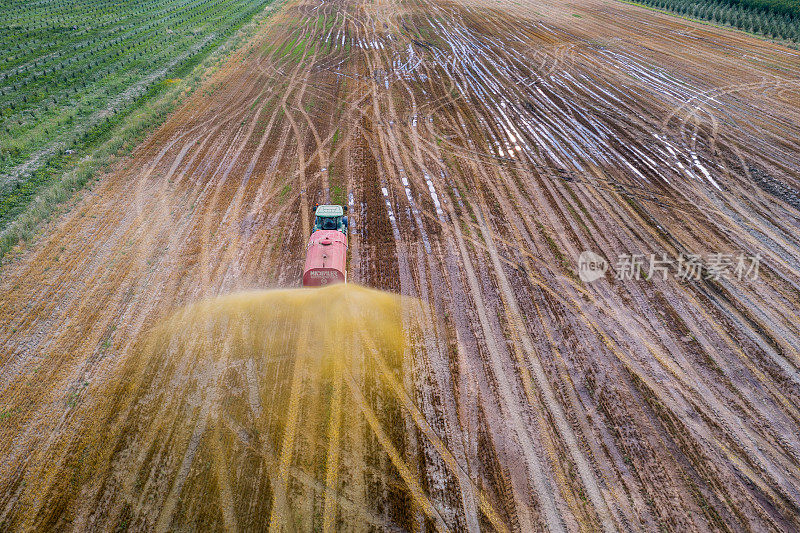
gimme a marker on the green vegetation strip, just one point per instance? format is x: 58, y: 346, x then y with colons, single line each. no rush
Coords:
x: 775, y: 19
x: 82, y: 80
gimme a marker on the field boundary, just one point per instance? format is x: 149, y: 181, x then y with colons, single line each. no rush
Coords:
x: 114, y: 144
x: 788, y: 43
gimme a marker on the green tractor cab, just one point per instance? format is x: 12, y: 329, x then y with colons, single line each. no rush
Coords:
x: 330, y: 217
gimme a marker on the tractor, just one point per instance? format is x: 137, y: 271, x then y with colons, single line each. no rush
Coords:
x: 326, y: 252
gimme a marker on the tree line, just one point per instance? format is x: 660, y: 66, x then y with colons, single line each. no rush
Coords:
x: 776, y: 19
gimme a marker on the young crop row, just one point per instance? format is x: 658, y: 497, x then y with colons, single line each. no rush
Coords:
x: 776, y: 19
x: 70, y: 69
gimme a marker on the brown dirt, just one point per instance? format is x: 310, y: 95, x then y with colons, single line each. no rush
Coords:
x: 526, y: 399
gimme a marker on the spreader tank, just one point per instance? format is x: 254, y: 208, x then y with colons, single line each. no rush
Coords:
x: 326, y: 253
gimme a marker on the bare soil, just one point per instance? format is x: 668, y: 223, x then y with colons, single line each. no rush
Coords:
x: 481, y: 147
